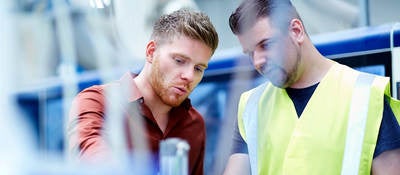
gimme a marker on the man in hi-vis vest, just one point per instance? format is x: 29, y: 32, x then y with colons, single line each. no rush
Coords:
x: 314, y: 116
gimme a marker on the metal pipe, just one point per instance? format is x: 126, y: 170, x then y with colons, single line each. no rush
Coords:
x: 68, y: 62
x: 364, y: 19
x: 395, y: 62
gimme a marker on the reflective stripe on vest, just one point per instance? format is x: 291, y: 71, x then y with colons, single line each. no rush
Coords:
x: 250, y: 118
x: 357, y: 124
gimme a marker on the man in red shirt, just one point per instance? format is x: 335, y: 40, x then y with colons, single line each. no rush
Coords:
x: 177, y: 54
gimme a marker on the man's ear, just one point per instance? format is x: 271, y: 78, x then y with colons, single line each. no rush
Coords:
x: 150, y: 49
x: 297, y: 30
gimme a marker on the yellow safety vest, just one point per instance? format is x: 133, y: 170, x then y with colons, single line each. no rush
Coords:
x: 335, y: 134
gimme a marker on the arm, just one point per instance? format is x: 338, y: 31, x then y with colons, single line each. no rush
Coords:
x: 239, y: 164
x: 387, y: 163
x: 85, y: 126
x: 387, y: 152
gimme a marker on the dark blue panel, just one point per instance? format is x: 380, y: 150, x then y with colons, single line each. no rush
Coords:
x: 356, y: 40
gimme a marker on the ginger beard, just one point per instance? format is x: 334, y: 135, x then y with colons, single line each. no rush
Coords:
x: 163, y: 87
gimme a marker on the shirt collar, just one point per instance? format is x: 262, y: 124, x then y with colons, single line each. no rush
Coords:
x: 127, y: 79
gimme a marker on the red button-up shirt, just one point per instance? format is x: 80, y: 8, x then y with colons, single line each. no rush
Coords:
x: 86, y: 125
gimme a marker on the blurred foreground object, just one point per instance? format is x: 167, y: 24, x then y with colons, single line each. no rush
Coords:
x: 173, y: 156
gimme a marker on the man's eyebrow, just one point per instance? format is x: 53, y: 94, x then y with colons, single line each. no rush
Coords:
x: 203, y: 65
x: 264, y: 40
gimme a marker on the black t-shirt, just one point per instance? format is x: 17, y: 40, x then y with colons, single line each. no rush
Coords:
x: 389, y: 132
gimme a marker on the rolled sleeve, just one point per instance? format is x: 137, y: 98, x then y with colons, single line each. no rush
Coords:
x: 85, y: 126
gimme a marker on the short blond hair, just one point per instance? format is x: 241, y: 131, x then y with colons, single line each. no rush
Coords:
x: 195, y: 25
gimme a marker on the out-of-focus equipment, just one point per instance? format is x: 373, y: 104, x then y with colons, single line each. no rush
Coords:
x: 174, y: 157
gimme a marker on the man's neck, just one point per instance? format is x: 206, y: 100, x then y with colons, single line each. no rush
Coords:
x: 314, y: 65
x: 159, y: 109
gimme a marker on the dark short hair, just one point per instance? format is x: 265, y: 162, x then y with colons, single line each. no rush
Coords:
x: 280, y: 12
x: 195, y: 25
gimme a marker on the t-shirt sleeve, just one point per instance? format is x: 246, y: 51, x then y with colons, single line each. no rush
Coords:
x: 239, y: 145
x: 389, y: 132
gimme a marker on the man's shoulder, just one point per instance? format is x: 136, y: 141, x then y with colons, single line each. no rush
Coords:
x: 98, y: 89
x: 348, y: 73
x: 258, y: 89
x: 389, y: 131
x: 356, y: 71
x: 195, y: 115
x: 92, y: 90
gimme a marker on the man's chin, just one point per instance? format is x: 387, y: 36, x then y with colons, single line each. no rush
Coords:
x: 173, y: 102
x: 279, y: 83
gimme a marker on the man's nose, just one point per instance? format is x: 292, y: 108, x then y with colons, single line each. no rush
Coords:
x: 259, y: 60
x: 188, y: 74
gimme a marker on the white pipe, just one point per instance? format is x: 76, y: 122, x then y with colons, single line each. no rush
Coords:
x: 114, y: 121
x: 68, y: 62
x: 395, y: 61
x: 364, y: 13
x: 224, y: 144
x: 16, y: 142
x: 106, y: 55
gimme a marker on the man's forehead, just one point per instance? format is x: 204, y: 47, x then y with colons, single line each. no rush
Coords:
x: 255, y: 35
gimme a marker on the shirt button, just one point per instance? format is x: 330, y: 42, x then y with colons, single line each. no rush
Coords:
x: 141, y: 100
